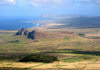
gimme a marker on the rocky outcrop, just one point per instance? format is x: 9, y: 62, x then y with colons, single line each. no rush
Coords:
x: 22, y: 32
x: 25, y: 32
x: 31, y: 35
x: 41, y: 34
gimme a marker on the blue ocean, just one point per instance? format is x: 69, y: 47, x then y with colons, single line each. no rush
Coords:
x: 18, y: 23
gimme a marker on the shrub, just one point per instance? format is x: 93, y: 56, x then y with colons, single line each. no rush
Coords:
x: 81, y: 34
x: 39, y: 58
x: 16, y: 41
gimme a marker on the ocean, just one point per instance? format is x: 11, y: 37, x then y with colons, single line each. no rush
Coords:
x: 15, y: 24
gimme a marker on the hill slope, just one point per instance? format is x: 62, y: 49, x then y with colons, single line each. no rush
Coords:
x: 74, y: 21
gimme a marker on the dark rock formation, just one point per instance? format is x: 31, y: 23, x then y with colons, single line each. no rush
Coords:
x: 40, y: 34
x: 22, y: 32
x: 25, y: 32
x: 31, y: 35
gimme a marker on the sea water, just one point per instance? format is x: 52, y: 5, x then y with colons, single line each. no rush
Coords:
x: 14, y: 24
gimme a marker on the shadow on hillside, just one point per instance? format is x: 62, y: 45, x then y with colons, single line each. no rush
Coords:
x: 97, y: 53
x: 17, y: 56
x: 13, y: 56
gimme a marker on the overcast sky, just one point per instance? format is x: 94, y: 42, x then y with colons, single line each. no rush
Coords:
x: 30, y: 8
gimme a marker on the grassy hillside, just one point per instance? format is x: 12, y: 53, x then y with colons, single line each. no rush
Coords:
x: 71, y: 50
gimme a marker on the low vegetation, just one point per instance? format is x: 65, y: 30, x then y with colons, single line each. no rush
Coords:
x: 39, y: 58
x: 8, y: 68
x: 78, y: 58
x: 80, y: 34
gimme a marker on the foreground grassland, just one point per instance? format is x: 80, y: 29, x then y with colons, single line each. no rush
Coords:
x: 74, y: 53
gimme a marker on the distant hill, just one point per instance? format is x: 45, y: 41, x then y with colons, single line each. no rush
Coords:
x: 75, y: 22
x: 59, y: 21
x: 84, y: 22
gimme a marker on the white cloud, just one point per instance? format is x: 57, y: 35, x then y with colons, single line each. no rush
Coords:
x: 34, y: 4
x: 7, y: 2
x: 89, y: 1
x: 11, y: 1
x: 97, y: 1
x: 47, y: 3
x: 59, y: 1
x: 42, y: 3
x: 54, y: 3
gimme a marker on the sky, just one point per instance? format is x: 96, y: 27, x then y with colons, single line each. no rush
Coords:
x: 36, y: 8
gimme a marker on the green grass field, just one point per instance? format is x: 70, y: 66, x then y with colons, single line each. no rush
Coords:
x: 68, y: 49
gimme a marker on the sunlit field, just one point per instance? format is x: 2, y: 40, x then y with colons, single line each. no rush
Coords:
x: 74, y: 52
